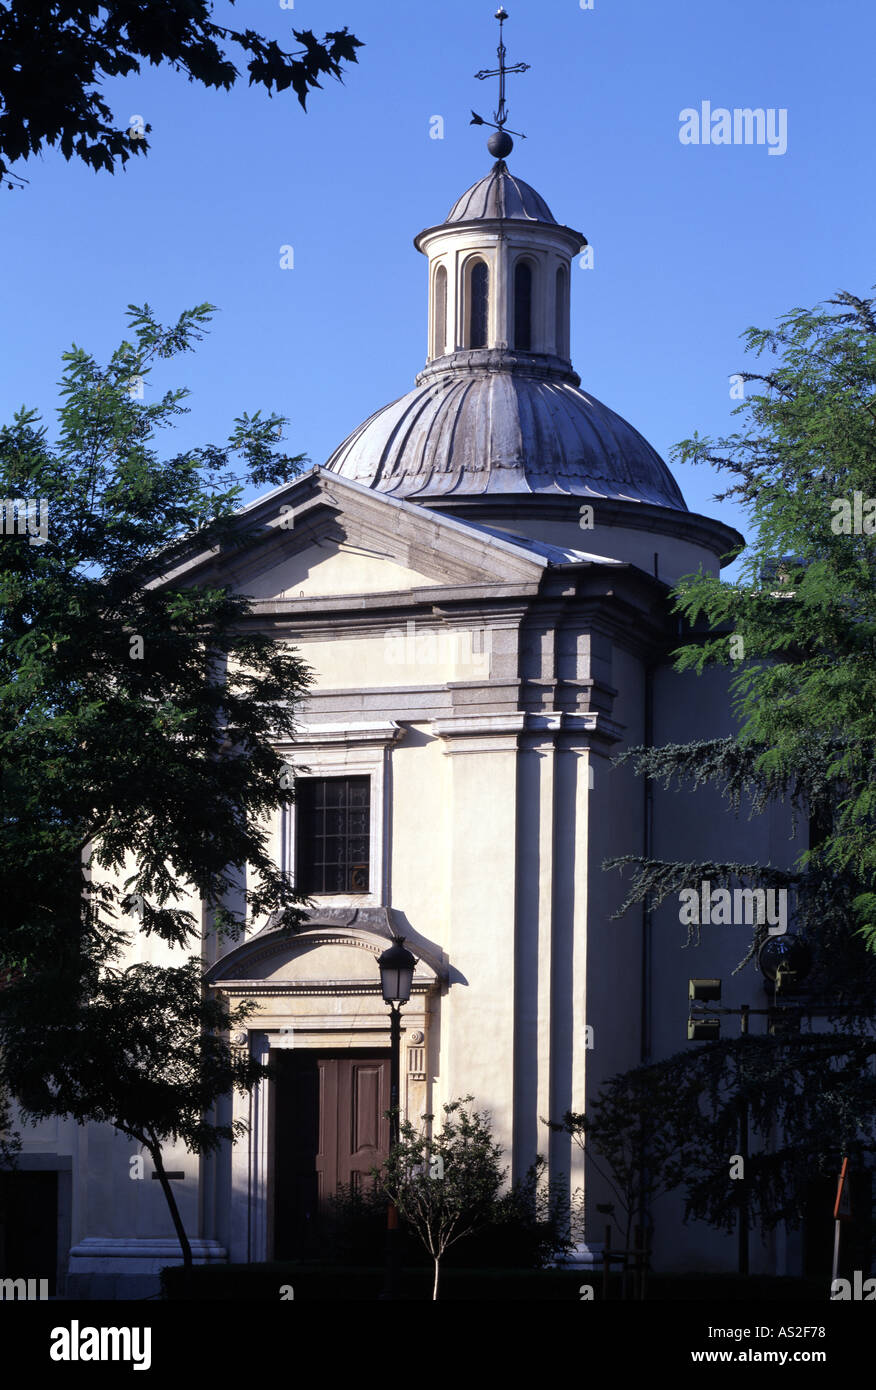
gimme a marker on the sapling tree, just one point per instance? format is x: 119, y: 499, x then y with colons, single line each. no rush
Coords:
x: 445, y: 1185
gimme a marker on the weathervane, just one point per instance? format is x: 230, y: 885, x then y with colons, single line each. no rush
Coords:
x: 500, y: 144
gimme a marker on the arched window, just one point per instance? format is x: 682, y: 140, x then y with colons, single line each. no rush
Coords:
x: 479, y: 281
x: 440, y: 320
x: 523, y: 306
x: 561, y: 336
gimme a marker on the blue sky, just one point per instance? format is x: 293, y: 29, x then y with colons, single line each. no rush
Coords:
x: 691, y: 243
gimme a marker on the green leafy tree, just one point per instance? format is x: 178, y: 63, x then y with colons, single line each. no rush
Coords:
x: 445, y: 1186
x: 810, y: 1099
x: 138, y: 717
x: 137, y: 713
x: 54, y: 56
x: 797, y: 628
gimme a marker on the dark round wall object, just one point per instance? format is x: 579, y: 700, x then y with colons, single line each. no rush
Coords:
x: 500, y: 144
x: 787, y: 952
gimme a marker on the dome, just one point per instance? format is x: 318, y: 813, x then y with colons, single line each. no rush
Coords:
x: 485, y: 432
x: 498, y: 410
x: 500, y: 194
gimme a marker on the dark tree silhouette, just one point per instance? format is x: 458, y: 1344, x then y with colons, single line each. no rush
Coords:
x: 54, y: 54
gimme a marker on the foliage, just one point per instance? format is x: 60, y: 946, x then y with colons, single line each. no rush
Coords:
x: 798, y: 628
x: 445, y: 1185
x: 140, y: 1048
x: 137, y: 719
x: 531, y: 1225
x: 158, y: 748
x: 10, y: 1140
x: 55, y: 56
x: 674, y: 1125
x: 353, y: 1225
x: 534, y: 1224
x: 799, y: 623
x: 635, y: 1136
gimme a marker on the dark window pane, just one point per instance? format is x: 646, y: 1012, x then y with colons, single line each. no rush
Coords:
x: 560, y: 332
x: 333, y: 830
x: 478, y: 315
x: 523, y: 306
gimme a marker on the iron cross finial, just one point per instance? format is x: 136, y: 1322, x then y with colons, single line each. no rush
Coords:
x: 502, y: 143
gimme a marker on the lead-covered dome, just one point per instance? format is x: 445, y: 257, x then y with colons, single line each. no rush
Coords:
x: 498, y: 409
x: 500, y: 194
x: 482, y: 431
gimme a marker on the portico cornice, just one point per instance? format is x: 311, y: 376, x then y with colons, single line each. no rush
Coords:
x: 491, y: 733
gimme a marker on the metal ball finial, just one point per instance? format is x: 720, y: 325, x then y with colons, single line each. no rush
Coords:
x: 500, y: 144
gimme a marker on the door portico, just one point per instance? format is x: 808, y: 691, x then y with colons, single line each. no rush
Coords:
x: 318, y: 991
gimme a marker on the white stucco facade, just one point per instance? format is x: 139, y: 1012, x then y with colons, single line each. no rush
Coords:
x: 481, y: 657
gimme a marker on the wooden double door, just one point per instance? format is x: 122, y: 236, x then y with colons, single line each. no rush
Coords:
x: 330, y: 1130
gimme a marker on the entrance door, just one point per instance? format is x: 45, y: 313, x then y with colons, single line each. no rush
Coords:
x: 29, y: 1226
x: 331, y: 1130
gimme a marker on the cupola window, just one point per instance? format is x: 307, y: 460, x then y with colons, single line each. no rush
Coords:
x: 562, y: 345
x: 439, y: 335
x: 523, y: 306
x: 479, y: 281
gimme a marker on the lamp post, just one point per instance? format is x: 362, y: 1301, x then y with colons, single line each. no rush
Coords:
x: 396, y: 966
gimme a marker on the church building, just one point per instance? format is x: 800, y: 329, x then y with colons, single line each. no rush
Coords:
x: 479, y: 577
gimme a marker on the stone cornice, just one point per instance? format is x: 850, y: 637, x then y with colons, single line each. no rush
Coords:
x: 470, y: 361
x: 525, y: 231
x: 378, y: 734
x: 492, y: 733
x: 612, y: 511
x: 263, y: 988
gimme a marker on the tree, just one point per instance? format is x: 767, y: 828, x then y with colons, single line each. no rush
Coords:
x: 141, y: 1049
x: 637, y: 1135
x: 445, y: 1186
x: 537, y: 1221
x: 138, y: 716
x: 54, y: 55
x: 674, y: 1126
x: 798, y: 626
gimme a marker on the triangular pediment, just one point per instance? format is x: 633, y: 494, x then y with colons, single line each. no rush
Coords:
x: 321, y: 535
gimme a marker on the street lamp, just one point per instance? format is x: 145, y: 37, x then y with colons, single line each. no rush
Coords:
x: 396, y: 966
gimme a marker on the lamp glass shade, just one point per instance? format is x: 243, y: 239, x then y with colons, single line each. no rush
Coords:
x: 396, y: 967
